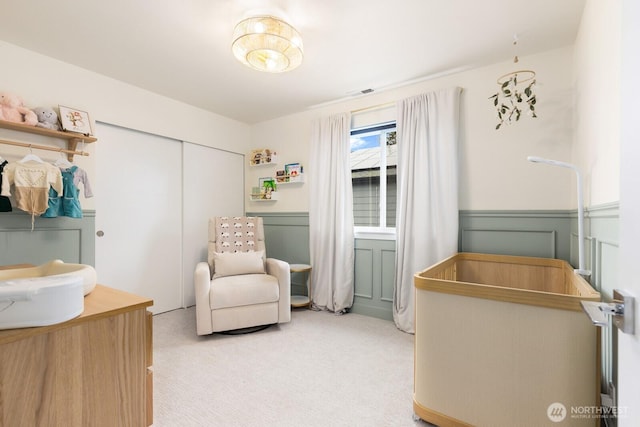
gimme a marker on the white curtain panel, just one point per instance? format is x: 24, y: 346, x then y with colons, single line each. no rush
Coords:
x: 427, y: 207
x: 331, y: 237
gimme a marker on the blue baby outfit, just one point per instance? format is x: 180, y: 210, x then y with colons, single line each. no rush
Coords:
x: 68, y: 203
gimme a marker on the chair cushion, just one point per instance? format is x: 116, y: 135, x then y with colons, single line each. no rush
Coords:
x: 235, y: 263
x: 246, y: 289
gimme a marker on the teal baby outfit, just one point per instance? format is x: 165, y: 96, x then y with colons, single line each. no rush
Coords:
x: 68, y: 203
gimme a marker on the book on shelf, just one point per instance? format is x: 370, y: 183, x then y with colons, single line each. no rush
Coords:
x: 281, y: 176
x: 293, y: 171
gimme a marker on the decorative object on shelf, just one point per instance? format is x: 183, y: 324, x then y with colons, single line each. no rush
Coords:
x: 262, y: 156
x: 12, y: 109
x: 262, y: 198
x: 266, y: 43
x: 47, y: 118
x: 266, y: 190
x: 292, y: 172
x: 75, y: 120
x: 268, y: 184
x: 516, y: 90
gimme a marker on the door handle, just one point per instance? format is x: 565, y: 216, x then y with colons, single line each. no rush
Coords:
x: 621, y: 310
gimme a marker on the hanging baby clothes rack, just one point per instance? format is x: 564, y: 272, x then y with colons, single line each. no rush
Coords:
x: 43, y: 147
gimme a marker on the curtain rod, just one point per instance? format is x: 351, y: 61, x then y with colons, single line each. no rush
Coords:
x: 43, y: 147
x: 373, y: 107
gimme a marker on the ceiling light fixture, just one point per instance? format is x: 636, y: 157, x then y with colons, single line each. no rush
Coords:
x: 269, y: 44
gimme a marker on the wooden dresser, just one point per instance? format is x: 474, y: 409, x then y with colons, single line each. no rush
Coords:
x: 94, y: 370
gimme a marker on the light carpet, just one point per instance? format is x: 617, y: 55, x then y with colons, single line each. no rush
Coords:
x: 318, y: 370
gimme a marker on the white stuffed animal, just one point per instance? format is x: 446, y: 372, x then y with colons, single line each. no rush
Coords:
x: 47, y: 118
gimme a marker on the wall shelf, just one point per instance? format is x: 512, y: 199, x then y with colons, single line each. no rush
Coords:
x: 258, y: 197
x: 288, y: 179
x: 263, y: 157
x: 73, y: 139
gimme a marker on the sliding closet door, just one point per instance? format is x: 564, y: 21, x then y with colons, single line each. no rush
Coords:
x: 138, y: 192
x: 213, y: 186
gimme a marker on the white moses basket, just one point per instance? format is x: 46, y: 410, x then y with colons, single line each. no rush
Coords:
x: 40, y: 301
x: 44, y: 295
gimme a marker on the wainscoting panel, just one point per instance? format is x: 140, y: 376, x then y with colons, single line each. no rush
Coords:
x: 286, y: 235
x: 607, y: 272
x: 526, y: 233
x: 508, y: 242
x: 388, y: 274
x: 71, y: 240
x: 287, y: 239
x: 374, y: 277
x: 363, y: 273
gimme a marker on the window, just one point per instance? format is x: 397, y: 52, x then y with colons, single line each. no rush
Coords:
x: 373, y: 177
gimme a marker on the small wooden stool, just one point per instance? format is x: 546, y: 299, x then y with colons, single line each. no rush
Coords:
x: 302, y: 300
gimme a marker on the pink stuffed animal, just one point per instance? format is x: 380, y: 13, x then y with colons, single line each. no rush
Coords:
x: 13, y: 110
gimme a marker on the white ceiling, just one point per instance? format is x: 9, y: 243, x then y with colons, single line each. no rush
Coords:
x: 181, y: 48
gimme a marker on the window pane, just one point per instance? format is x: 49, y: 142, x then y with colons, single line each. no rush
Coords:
x: 392, y: 161
x: 366, y: 199
x: 365, y: 178
x: 391, y: 196
x: 370, y: 150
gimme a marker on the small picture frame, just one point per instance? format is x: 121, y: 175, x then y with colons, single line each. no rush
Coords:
x: 73, y: 120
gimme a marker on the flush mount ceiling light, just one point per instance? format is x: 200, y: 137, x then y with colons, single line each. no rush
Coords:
x: 269, y: 44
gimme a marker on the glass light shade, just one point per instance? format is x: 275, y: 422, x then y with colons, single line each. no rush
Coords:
x: 265, y: 43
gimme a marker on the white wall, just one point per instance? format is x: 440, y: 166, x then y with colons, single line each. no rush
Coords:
x: 596, y: 147
x: 43, y: 81
x: 494, y: 170
x: 494, y: 173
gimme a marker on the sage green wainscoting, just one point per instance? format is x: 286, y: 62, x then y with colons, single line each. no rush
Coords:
x: 374, y: 276
x: 543, y: 234
x: 71, y: 240
x: 601, y: 225
x: 601, y: 245
x: 548, y: 234
x: 286, y: 237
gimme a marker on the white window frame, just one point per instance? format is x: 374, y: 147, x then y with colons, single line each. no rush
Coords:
x: 381, y: 232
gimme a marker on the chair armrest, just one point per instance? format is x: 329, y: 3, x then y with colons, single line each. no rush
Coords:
x: 202, y: 284
x: 282, y: 272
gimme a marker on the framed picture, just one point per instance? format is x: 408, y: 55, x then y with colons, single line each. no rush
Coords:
x: 73, y: 120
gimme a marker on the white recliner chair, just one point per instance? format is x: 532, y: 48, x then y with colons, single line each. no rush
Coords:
x: 239, y: 287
